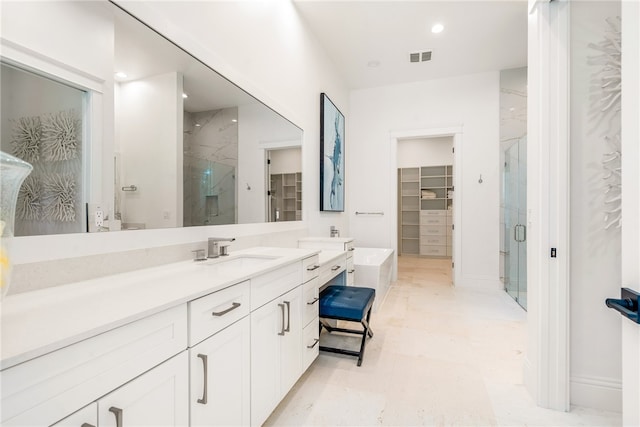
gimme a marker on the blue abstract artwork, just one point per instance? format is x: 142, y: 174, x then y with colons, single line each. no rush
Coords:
x: 331, y: 156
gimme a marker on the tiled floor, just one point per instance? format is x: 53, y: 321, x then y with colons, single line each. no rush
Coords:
x: 440, y: 356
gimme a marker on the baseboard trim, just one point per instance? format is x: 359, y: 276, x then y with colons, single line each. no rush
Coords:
x: 597, y: 393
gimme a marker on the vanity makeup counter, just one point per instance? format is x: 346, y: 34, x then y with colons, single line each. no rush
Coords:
x: 65, y: 347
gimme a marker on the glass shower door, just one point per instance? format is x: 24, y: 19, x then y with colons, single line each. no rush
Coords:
x: 515, y: 215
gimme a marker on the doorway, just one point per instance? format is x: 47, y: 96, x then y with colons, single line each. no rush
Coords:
x: 455, y: 135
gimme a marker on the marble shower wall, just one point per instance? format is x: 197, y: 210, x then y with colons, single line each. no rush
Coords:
x: 210, y: 163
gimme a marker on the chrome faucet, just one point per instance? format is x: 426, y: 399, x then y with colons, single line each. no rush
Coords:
x: 214, y: 250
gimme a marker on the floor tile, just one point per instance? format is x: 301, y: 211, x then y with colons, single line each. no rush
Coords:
x: 440, y: 356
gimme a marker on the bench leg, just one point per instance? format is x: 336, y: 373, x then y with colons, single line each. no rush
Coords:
x: 366, y: 332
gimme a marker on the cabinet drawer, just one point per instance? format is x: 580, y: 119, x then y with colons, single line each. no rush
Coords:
x: 432, y: 213
x: 48, y: 388
x: 331, y: 270
x: 434, y: 240
x: 216, y: 311
x: 348, y: 246
x: 310, y: 268
x: 433, y: 220
x: 433, y: 250
x: 271, y: 285
x: 433, y: 230
x: 310, y: 301
x: 311, y: 342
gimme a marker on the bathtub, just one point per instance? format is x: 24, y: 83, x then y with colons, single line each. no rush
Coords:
x: 374, y: 267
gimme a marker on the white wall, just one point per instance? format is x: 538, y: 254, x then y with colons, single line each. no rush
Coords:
x: 471, y: 102
x: 595, y: 252
x: 425, y: 152
x: 149, y: 122
x: 287, y: 160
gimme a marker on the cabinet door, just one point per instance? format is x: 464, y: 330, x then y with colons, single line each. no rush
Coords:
x: 220, y: 387
x: 158, y: 397
x: 267, y: 323
x: 85, y: 417
x: 291, y: 342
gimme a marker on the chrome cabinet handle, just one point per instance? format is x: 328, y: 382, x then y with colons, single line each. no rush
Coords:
x: 205, y: 389
x: 351, y: 271
x: 351, y: 249
x: 118, y: 413
x: 524, y: 230
x: 87, y: 425
x: 335, y: 267
x: 315, y: 343
x: 288, y: 304
x: 315, y: 300
x: 222, y: 313
x: 282, y: 331
x: 313, y: 267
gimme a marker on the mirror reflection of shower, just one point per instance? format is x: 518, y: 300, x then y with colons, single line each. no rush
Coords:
x: 210, y: 145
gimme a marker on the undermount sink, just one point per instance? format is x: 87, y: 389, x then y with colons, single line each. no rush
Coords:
x: 237, y: 263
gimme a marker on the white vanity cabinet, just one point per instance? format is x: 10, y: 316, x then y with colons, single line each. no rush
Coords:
x: 212, y: 352
x: 156, y: 398
x: 345, y: 244
x: 85, y: 417
x: 48, y: 388
x: 276, y: 354
x: 219, y: 392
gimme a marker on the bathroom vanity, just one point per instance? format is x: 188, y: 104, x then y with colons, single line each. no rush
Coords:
x: 340, y: 244
x: 217, y: 342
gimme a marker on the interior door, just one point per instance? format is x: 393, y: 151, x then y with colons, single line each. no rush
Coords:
x: 630, y: 207
x: 515, y: 214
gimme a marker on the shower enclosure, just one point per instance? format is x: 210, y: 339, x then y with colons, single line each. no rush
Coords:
x: 515, y: 220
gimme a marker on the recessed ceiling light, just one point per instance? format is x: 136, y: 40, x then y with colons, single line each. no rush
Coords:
x: 512, y: 109
x: 437, y: 28
x: 234, y: 120
x: 373, y: 64
x: 184, y: 95
x: 197, y: 125
x: 121, y: 75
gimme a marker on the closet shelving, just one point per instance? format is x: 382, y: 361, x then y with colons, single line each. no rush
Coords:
x: 286, y: 196
x: 426, y: 210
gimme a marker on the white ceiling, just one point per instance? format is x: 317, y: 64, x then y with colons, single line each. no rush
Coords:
x: 479, y: 36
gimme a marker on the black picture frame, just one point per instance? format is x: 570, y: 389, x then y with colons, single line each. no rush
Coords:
x: 332, y: 145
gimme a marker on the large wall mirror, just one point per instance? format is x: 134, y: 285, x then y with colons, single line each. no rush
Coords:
x: 189, y: 147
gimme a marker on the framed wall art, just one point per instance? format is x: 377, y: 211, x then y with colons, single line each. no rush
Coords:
x: 331, y: 156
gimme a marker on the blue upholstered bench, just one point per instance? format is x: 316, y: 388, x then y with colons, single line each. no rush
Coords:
x: 349, y: 303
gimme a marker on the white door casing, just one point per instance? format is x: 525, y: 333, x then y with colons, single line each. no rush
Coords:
x: 547, y: 358
x: 630, y: 138
x: 456, y: 133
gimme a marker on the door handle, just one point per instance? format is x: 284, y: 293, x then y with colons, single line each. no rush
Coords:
x: 288, y: 304
x: 282, y: 330
x: 627, y: 305
x: 222, y: 313
x: 118, y: 413
x: 205, y: 365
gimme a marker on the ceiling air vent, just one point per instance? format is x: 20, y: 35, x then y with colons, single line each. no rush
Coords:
x: 420, y: 56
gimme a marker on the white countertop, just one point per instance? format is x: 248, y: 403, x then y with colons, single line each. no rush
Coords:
x: 327, y: 257
x: 38, y: 322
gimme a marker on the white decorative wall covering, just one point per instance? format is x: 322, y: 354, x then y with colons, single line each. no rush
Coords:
x: 605, y: 115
